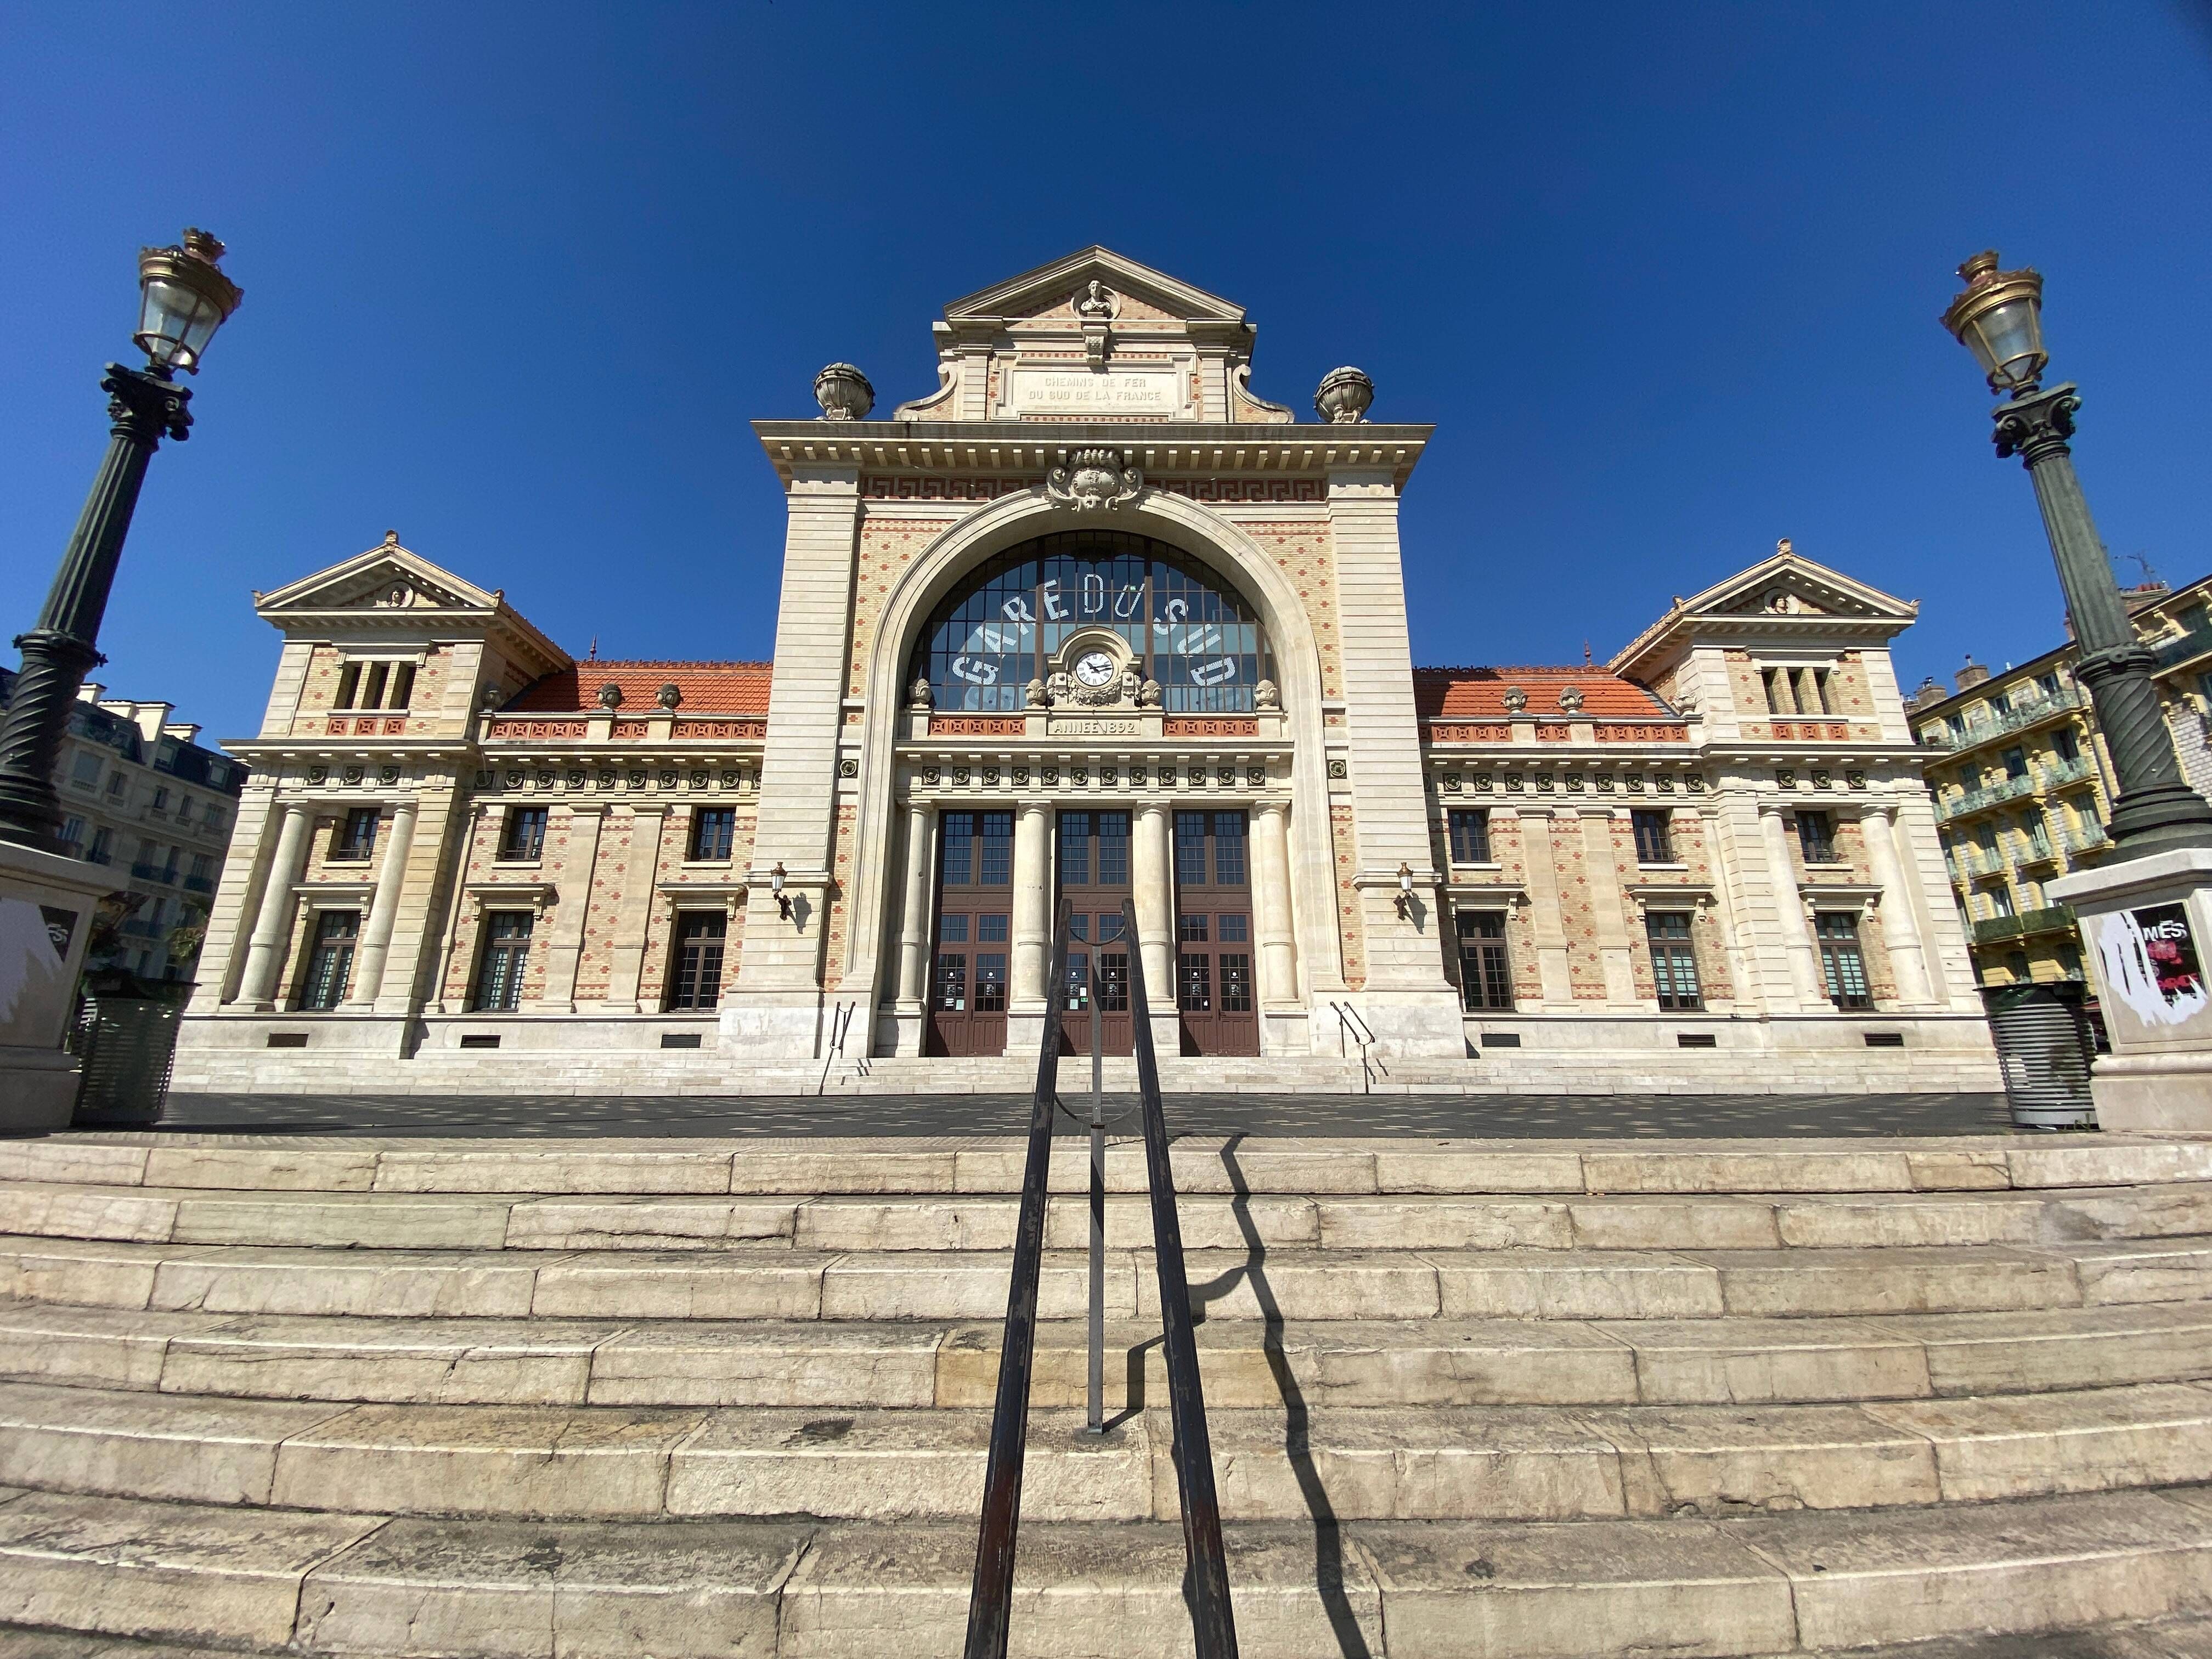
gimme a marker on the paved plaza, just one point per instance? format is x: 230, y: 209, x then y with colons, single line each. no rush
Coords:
x: 1396, y: 1115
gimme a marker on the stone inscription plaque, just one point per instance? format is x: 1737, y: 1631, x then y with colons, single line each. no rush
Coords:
x: 1095, y: 728
x: 1076, y: 391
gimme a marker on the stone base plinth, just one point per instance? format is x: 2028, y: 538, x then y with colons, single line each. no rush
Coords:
x: 46, y: 905
x: 2147, y: 937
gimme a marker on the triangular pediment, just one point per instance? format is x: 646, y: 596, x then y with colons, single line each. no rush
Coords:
x: 388, y: 577
x: 1132, y: 291
x: 1790, y: 585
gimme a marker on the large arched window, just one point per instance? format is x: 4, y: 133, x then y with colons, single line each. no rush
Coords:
x: 1001, y: 626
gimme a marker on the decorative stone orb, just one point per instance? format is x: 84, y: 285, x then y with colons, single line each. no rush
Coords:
x: 1515, y: 700
x: 1343, y: 396
x: 844, y: 393
x: 610, y: 696
x: 920, y: 696
x: 1264, y: 695
x: 1571, y: 700
x: 669, y: 694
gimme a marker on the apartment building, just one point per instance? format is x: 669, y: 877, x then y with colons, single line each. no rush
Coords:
x: 2025, y: 787
x: 139, y: 793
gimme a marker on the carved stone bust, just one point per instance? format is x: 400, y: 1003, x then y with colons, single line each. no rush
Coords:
x: 1090, y: 479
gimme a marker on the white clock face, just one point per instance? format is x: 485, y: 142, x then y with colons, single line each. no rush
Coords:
x: 1094, y: 669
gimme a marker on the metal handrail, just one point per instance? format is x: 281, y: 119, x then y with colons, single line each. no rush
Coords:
x: 1348, y: 1019
x: 990, y: 1597
x: 1213, y: 1623
x: 840, y: 1021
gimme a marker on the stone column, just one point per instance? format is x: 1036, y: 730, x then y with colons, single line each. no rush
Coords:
x: 1032, y: 907
x: 1271, y: 905
x: 383, y: 909
x: 1743, y: 989
x: 1901, y: 933
x: 911, y: 1005
x: 1789, y: 913
x: 1152, y: 893
x: 565, y: 949
x: 257, y: 988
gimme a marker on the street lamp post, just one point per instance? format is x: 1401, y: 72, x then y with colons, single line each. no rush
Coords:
x: 2144, y: 915
x: 1999, y: 318
x: 183, y: 298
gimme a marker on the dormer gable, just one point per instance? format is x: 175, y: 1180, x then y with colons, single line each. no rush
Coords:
x: 1784, y: 599
x: 1094, y: 337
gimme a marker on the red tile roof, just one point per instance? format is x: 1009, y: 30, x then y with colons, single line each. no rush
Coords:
x: 708, y: 688
x: 1479, y: 693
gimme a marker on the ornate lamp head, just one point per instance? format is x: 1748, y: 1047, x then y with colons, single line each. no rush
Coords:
x: 182, y: 298
x: 1999, y: 318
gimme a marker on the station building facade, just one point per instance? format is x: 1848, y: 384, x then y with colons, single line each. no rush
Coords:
x: 1091, y: 636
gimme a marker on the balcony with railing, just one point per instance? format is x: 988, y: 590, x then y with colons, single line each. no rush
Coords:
x: 2086, y: 838
x: 2050, y: 919
x: 2193, y: 643
x: 2053, y: 777
x: 2032, y: 711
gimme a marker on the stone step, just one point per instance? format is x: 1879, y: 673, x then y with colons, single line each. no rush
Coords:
x: 1491, y: 1462
x: 988, y: 1222
x: 783, y: 1283
x: 816, y: 1166
x: 823, y: 1363
x: 1770, y: 1584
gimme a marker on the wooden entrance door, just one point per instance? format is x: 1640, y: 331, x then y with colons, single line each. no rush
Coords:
x: 1094, y: 884
x: 1216, y: 998
x: 967, y: 963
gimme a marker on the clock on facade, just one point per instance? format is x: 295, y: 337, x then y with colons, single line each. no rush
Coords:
x: 1095, y: 669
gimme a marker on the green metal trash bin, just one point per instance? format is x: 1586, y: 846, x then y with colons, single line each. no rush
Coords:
x: 2045, y: 1045
x: 125, y: 1041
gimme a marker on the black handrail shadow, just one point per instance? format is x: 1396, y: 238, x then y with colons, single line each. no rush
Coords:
x: 1298, y: 1417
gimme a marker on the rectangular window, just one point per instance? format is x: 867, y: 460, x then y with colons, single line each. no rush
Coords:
x: 2000, y: 901
x: 117, y: 783
x: 87, y: 769
x: 72, y: 832
x: 950, y: 989
x: 699, y: 938
x: 1837, y: 932
x: 2016, y: 762
x: 1470, y: 837
x: 1674, y: 961
x: 372, y: 689
x: 956, y: 849
x: 1777, y: 683
x: 1654, y: 844
x: 349, y: 686
x: 1190, y: 849
x: 1236, y: 980
x: 713, y: 828
x: 1194, y: 982
x: 1075, y: 849
x: 402, y: 686
x: 1485, y: 977
x: 329, y: 961
x: 102, y: 850
x: 160, y: 802
x: 990, y: 930
x: 523, y: 840
x: 1229, y: 861
x: 506, y: 949
x: 357, y: 836
x: 2048, y: 684
x: 1191, y: 929
x: 1113, y: 850
x: 952, y: 928
x: 2068, y: 747
x: 990, y: 981
x: 2000, y: 702
x: 185, y: 809
x: 997, y: 846
x: 203, y: 865
x: 1816, y: 837
x: 1234, y: 928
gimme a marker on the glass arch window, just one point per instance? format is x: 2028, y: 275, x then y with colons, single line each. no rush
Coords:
x: 1003, y: 626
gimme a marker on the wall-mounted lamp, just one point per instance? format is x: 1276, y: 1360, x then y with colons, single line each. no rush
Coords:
x: 1405, y: 900
x: 775, y: 879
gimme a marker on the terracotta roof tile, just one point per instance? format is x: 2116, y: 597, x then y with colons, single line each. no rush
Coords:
x: 1479, y: 693
x: 708, y: 688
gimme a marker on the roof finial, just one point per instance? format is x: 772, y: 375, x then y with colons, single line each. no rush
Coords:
x: 1586, y: 654
x: 392, y: 539
x: 592, y: 655
x: 1782, y: 547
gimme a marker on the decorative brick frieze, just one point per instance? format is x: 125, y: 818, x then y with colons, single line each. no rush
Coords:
x: 1206, y: 725
x: 1232, y: 490
x: 976, y: 726
x: 1344, y: 833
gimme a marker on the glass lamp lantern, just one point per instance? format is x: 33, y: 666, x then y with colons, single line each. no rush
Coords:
x: 184, y: 297
x: 2000, y: 319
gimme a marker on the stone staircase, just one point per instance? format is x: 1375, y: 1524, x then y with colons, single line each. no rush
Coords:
x: 665, y: 1397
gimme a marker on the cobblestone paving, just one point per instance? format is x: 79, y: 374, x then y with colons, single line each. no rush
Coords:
x: 1417, y: 1116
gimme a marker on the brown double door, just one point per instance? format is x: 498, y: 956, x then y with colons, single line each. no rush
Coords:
x: 1216, y: 1000
x: 969, y: 959
x: 1094, y: 886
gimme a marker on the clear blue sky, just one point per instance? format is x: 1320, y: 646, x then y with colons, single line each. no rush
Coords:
x: 1666, y: 278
